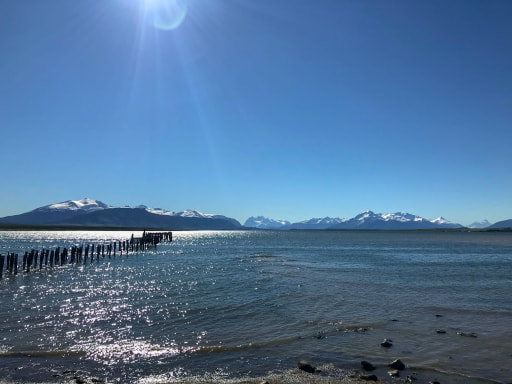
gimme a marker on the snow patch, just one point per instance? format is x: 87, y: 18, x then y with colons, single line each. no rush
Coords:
x: 86, y: 204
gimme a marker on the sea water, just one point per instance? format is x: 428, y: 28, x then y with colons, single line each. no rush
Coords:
x: 248, y: 303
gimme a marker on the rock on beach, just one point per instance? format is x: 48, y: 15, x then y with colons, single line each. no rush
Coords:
x: 397, y: 364
x: 305, y: 366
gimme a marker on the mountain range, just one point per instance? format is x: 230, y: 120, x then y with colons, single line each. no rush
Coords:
x: 94, y: 213
x: 88, y: 212
x: 365, y: 220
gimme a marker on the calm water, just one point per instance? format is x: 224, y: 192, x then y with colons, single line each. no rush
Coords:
x: 250, y: 303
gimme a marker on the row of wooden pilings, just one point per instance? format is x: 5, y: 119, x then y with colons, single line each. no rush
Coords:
x: 79, y: 254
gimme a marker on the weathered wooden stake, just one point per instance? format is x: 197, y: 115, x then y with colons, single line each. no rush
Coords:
x: 57, y: 256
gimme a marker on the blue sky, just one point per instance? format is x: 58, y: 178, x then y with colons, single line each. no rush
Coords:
x: 290, y: 109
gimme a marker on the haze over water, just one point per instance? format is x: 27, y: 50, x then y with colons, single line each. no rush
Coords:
x: 247, y: 303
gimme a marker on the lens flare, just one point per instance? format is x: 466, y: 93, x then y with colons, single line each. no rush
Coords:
x: 168, y: 14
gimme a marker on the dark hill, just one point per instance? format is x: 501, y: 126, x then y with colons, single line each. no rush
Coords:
x: 40, y: 217
x: 502, y: 224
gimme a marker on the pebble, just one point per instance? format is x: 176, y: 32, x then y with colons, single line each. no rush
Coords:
x: 386, y: 343
x: 369, y: 377
x: 440, y: 331
x: 394, y: 373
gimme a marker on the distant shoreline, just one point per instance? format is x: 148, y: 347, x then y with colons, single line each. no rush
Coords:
x: 19, y: 227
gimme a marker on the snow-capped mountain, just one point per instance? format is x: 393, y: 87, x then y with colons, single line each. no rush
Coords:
x: 398, y: 220
x: 364, y: 220
x: 261, y: 222
x: 316, y: 223
x: 88, y: 212
x: 480, y: 224
x: 197, y: 214
x: 56, y: 213
x: 188, y: 213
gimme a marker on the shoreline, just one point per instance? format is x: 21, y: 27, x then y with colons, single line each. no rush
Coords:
x: 304, y: 374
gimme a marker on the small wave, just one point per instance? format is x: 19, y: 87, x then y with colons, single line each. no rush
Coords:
x: 485, y: 311
x: 239, y: 347
x: 42, y: 354
x: 469, y: 378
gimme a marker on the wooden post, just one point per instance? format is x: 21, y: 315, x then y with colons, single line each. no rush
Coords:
x: 52, y: 255
x: 32, y: 258
x: 25, y: 256
x: 57, y: 256
x: 16, y: 264
x: 2, y: 257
